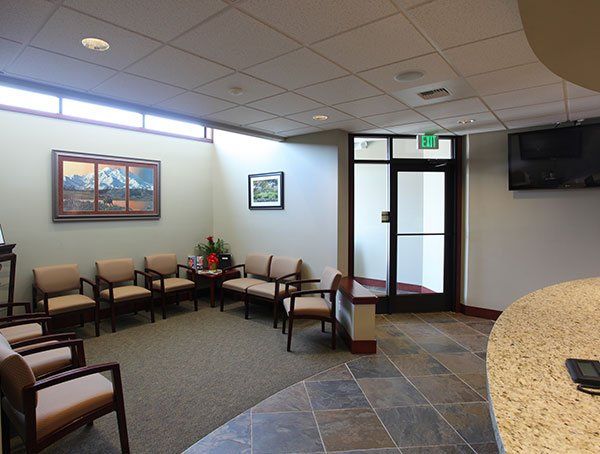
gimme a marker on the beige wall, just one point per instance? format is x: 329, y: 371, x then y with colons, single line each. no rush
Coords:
x: 26, y: 142
x: 308, y: 227
x: 517, y: 242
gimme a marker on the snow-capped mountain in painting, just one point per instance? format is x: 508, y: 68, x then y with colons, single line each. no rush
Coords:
x: 108, y: 178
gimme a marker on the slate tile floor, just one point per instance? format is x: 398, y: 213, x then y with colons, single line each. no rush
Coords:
x: 423, y: 393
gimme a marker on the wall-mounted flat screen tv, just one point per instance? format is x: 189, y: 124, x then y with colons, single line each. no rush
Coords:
x: 559, y: 158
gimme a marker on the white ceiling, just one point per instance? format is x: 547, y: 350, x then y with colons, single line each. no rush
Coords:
x: 297, y: 58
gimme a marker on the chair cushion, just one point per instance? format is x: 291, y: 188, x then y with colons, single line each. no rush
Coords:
x: 174, y: 283
x: 241, y: 284
x: 67, y: 303
x: 57, y: 278
x: 49, y: 361
x: 22, y: 332
x: 126, y: 293
x: 116, y: 270
x: 282, y: 266
x: 267, y: 290
x: 258, y: 264
x: 163, y: 263
x: 309, y: 305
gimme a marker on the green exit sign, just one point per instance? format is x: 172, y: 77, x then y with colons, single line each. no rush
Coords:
x: 429, y: 142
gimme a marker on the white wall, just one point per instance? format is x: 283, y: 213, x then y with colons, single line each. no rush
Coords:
x: 26, y: 142
x: 518, y: 242
x: 308, y: 227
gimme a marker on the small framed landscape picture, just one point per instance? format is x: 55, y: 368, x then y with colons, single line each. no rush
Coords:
x: 265, y: 191
x: 2, y: 241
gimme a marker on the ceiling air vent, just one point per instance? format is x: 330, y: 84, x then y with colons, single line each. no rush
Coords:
x: 434, y: 94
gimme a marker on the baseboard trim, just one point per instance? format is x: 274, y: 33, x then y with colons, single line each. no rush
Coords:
x: 360, y: 347
x: 482, y: 312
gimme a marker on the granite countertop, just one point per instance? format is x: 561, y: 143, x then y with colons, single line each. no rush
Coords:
x: 536, y: 405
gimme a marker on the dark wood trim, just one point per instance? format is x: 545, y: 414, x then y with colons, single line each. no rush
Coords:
x: 360, y: 347
x: 351, y: 198
x: 482, y: 312
x: 7, y: 255
x: 458, y: 236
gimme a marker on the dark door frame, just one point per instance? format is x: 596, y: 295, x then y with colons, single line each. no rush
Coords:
x: 453, y: 260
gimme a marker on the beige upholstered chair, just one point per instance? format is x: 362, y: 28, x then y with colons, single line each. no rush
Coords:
x: 44, y: 411
x: 53, y: 282
x: 166, y: 268
x: 257, y: 265
x: 127, y: 292
x: 282, y: 269
x: 321, y: 307
x: 16, y: 328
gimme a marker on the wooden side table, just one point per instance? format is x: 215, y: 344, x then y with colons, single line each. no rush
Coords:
x: 214, y: 278
x: 7, y: 255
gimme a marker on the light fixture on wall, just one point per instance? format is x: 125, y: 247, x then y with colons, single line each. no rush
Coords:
x: 96, y: 44
x: 236, y: 91
x: 320, y: 117
x: 466, y: 122
x: 409, y: 76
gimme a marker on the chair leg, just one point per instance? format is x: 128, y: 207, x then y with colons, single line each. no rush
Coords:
x: 151, y: 304
x: 195, y: 299
x: 222, y: 298
x: 275, y: 313
x: 113, y: 317
x: 97, y: 320
x: 163, y: 302
x: 322, y: 326
x: 81, y: 319
x: 121, y: 421
x: 283, y: 322
x: 333, y: 329
x: 289, y: 342
x: 5, y: 434
x: 247, y: 306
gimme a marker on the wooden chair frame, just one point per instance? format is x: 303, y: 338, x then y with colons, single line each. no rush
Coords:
x: 331, y: 319
x: 27, y: 319
x: 163, y: 293
x: 32, y: 444
x: 95, y: 310
x: 244, y: 294
x: 277, y: 300
x: 77, y: 353
x: 111, y: 298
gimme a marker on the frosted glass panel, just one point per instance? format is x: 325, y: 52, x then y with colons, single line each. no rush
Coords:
x: 370, y: 148
x: 406, y: 148
x: 28, y: 100
x: 421, y: 202
x: 420, y: 264
x: 97, y: 112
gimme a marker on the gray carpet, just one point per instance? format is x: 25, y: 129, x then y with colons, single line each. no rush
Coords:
x: 187, y: 375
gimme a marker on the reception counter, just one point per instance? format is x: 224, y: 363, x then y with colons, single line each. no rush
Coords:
x: 536, y: 407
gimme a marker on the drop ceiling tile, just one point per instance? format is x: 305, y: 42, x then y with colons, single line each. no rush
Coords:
x: 453, y: 108
x: 312, y: 20
x: 491, y: 54
x: 241, y: 116
x: 433, y: 66
x: 595, y: 113
x: 297, y: 69
x: 525, y: 97
x: 395, y: 118
x: 539, y: 121
x: 253, y: 89
x: 584, y: 104
x: 530, y: 75
x: 485, y: 118
x: 21, y: 19
x: 424, y: 127
x: 407, y: 4
x: 285, y: 104
x: 455, y: 22
x: 339, y: 90
x: 306, y: 117
x: 278, y: 125
x: 371, y: 106
x: 148, y: 16
x: 372, y: 45
x: 489, y: 127
x: 191, y: 70
x: 299, y: 131
x: 65, y: 30
x: 235, y: 40
x: 375, y: 131
x: 538, y: 110
x: 49, y: 67
x: 137, y: 89
x: 575, y: 91
x: 350, y: 125
x: 8, y: 51
x: 195, y: 104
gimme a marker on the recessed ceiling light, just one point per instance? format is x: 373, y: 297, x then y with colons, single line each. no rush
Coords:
x: 466, y: 122
x: 95, y: 44
x: 409, y: 76
x: 320, y: 117
x: 236, y: 91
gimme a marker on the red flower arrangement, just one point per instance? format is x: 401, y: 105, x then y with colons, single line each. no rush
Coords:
x: 213, y: 261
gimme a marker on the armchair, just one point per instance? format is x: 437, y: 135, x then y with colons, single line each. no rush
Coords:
x: 52, y: 282
x: 301, y: 304
x: 17, y: 328
x: 127, y: 292
x: 165, y: 271
x: 257, y: 265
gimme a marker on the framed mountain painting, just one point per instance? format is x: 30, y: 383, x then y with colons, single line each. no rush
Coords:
x: 97, y: 187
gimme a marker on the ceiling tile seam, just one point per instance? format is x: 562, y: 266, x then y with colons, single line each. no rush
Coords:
x: 283, y: 118
x: 499, y: 35
x: 519, y: 89
x: 530, y: 105
x: 26, y: 43
x: 443, y: 56
x: 419, y: 5
x: 5, y: 66
x: 453, y: 115
x: 503, y: 69
x: 357, y: 73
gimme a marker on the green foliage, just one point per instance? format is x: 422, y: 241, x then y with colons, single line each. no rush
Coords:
x: 218, y: 247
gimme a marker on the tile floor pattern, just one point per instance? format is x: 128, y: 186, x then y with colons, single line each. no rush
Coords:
x: 424, y: 392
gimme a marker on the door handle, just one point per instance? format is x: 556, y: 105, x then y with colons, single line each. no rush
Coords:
x: 385, y: 217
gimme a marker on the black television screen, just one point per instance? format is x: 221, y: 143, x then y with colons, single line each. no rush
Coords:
x: 557, y: 158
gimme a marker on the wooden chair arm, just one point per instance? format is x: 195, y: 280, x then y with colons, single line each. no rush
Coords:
x: 300, y: 281
x: 148, y: 277
x: 101, y: 279
x: 287, y: 276
x: 229, y: 268
x: 27, y: 306
x: 26, y: 321
x: 75, y: 345
x: 161, y: 276
x: 46, y: 338
x: 89, y: 282
x: 293, y: 295
x: 70, y: 375
x: 29, y: 315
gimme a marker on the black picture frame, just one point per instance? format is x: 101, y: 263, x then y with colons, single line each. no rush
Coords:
x: 2, y: 240
x: 278, y: 203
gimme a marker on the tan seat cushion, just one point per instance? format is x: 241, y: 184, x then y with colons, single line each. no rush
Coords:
x: 60, y: 404
x: 126, y: 293
x: 174, y: 283
x: 267, y: 290
x: 67, y: 303
x: 22, y: 332
x: 309, y: 306
x: 49, y: 361
x: 241, y: 284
